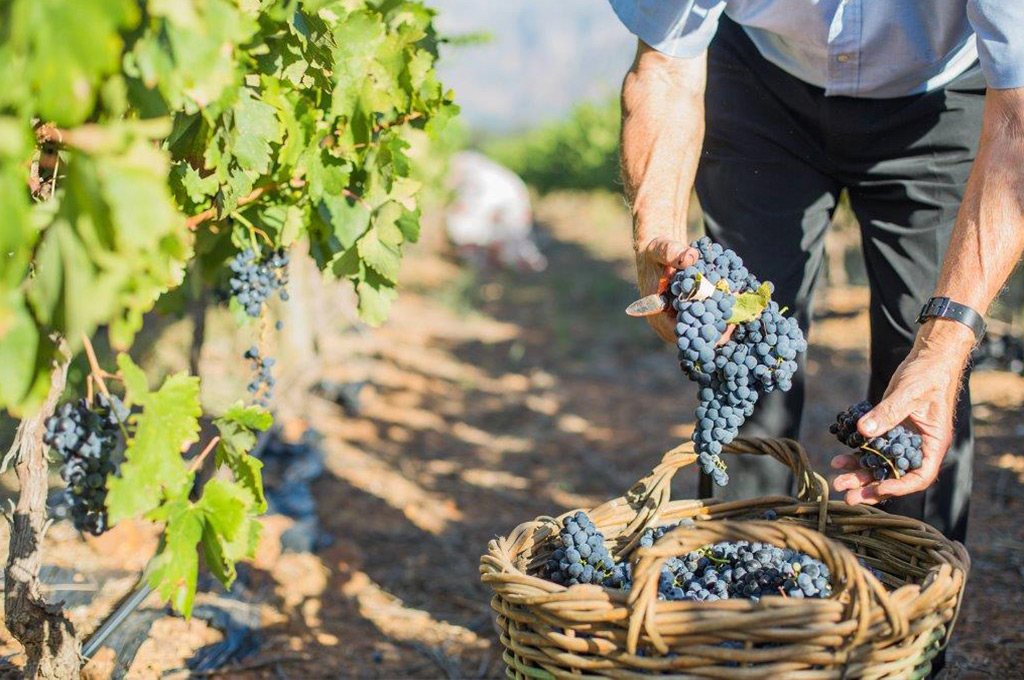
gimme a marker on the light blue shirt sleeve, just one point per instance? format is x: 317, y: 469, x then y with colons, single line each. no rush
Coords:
x: 678, y: 28
x: 999, y: 25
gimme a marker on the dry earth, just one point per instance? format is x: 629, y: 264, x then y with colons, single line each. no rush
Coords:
x: 494, y: 399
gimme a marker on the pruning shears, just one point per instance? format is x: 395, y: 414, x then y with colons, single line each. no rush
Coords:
x: 655, y: 303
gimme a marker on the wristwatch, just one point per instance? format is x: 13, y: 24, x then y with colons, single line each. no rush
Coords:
x: 944, y: 308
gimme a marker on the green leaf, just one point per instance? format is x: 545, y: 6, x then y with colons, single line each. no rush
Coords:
x: 237, y: 439
x: 19, y: 348
x: 375, y: 298
x: 256, y: 128
x: 197, y: 187
x: 153, y: 464
x: 189, y: 50
x: 383, y: 258
x: 283, y: 223
x: 64, y: 48
x: 174, y: 569
x: 344, y: 221
x: 133, y: 377
x: 750, y: 305
x: 231, y: 532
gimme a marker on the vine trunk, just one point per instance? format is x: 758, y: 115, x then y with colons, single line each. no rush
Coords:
x: 49, y: 639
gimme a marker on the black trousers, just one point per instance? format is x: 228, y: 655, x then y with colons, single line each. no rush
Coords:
x: 777, y: 153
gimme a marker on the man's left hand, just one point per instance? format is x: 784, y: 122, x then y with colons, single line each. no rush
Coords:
x: 921, y: 394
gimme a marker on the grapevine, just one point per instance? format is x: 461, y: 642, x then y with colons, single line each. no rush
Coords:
x: 157, y: 144
x: 757, y: 357
x: 890, y: 455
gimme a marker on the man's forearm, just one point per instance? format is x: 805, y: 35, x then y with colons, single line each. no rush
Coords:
x: 662, y: 132
x: 988, y: 238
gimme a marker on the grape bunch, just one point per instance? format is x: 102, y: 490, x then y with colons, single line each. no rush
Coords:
x: 652, y: 534
x: 758, y: 358
x: 254, y: 279
x: 739, y: 569
x: 262, y: 384
x: 581, y: 556
x: 85, y: 440
x: 889, y: 455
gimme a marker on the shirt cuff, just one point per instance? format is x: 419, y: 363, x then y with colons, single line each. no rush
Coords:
x: 677, y: 28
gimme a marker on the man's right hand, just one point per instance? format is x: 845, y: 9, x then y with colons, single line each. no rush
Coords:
x: 661, y: 257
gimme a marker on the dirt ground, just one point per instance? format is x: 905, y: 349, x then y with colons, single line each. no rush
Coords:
x: 496, y: 398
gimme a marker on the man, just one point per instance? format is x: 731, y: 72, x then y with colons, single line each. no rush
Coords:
x: 770, y: 110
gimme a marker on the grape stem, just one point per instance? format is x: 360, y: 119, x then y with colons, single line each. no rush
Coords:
x: 198, y: 460
x: 97, y: 374
x: 253, y: 230
x: 885, y: 458
x: 211, y: 213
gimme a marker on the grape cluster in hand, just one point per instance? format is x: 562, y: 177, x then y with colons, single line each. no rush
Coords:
x: 85, y: 440
x: 739, y: 569
x: 889, y: 455
x: 581, y: 556
x: 255, y: 279
x: 759, y: 357
x: 262, y: 384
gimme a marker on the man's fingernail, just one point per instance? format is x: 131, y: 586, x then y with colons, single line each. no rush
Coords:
x: 870, y: 425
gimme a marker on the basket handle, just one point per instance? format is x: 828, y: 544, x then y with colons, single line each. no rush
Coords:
x: 651, y: 493
x: 856, y: 589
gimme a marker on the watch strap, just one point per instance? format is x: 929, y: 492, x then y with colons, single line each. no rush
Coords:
x: 944, y: 308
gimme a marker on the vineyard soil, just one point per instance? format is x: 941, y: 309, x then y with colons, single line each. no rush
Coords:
x: 493, y: 399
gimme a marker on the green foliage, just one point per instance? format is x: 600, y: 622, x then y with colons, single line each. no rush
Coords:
x: 154, y: 482
x: 140, y: 139
x: 153, y: 467
x: 580, y: 152
x: 187, y: 129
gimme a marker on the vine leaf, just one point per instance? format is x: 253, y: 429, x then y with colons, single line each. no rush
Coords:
x: 750, y: 305
x: 231, y: 531
x: 64, y: 48
x: 343, y: 220
x: 153, y: 467
x: 174, y: 569
x: 237, y: 438
x: 222, y: 523
x: 375, y: 298
x: 380, y: 255
x: 256, y: 128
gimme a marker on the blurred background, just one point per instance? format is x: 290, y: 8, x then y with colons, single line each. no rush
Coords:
x: 507, y: 384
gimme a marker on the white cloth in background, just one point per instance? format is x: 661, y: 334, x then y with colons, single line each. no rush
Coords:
x: 491, y: 212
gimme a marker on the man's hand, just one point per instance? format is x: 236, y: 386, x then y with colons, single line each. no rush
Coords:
x: 923, y: 394
x: 661, y: 257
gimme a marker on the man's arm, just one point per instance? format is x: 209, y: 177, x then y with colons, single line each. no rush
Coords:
x: 662, y: 132
x: 985, y: 246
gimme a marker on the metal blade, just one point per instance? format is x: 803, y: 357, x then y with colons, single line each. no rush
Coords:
x: 648, y: 306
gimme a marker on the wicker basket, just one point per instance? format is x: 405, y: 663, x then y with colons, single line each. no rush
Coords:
x: 869, y: 628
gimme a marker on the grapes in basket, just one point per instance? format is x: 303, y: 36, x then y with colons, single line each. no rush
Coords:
x: 720, y: 571
x: 734, y: 341
x: 889, y: 455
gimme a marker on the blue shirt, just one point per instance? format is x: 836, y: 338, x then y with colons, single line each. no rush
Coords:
x: 856, y: 48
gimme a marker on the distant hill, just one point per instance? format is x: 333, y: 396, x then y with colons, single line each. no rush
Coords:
x: 546, y: 55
